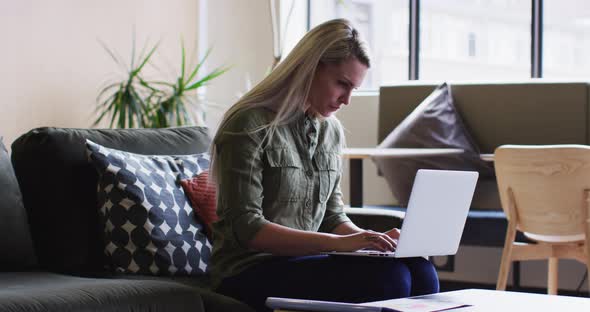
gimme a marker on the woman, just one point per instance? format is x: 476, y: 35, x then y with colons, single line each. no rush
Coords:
x: 276, y: 159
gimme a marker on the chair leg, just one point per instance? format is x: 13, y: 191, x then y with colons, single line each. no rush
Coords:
x: 586, y: 224
x: 504, y: 268
x: 552, y: 274
x: 506, y: 256
x: 588, y: 260
x: 588, y: 276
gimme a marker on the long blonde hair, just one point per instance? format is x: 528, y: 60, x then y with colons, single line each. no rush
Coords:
x: 286, y: 88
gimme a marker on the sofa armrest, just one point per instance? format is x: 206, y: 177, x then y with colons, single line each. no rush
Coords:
x: 379, y: 220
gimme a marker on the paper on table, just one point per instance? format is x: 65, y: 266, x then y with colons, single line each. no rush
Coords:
x: 418, y: 304
x: 320, y: 306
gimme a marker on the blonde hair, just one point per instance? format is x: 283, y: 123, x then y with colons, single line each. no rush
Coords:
x: 286, y: 88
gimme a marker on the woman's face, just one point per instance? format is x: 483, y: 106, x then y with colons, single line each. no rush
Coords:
x: 332, y: 85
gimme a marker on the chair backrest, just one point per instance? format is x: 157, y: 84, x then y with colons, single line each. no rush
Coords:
x: 545, y: 186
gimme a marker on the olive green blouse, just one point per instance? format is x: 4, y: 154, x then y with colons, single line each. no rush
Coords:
x: 292, y: 180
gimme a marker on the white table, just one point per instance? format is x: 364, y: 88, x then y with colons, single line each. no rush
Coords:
x: 483, y: 300
x: 493, y: 300
x: 356, y: 156
x: 479, y: 300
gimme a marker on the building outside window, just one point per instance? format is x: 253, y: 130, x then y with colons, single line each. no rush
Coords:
x: 471, y: 44
x: 566, y: 42
x: 474, y: 40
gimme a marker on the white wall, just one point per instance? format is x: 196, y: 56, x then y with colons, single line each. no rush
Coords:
x: 240, y: 35
x: 52, y: 65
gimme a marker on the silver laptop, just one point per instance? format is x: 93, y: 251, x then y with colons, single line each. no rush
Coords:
x: 435, y: 217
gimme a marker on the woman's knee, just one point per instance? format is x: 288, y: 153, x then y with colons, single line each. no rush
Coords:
x: 386, y: 279
x: 399, y: 279
x: 424, y: 276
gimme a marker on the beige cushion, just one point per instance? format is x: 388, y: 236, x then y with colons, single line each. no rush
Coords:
x: 434, y: 123
x: 555, y: 238
x: 496, y: 113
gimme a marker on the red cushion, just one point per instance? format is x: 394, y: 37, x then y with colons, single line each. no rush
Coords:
x: 201, y: 192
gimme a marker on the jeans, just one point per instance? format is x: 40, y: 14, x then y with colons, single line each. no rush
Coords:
x: 332, y: 278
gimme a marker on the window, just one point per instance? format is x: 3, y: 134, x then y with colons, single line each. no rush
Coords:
x: 566, y: 44
x: 382, y: 23
x: 466, y: 40
x: 293, y: 24
x: 471, y: 44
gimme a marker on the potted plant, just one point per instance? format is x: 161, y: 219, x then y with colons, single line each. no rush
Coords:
x: 137, y: 102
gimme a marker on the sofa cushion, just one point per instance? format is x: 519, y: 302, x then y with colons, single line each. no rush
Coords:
x: 58, y: 185
x: 212, y: 301
x: 149, y: 227
x: 434, y: 123
x: 202, y: 193
x: 40, y: 291
x: 16, y: 247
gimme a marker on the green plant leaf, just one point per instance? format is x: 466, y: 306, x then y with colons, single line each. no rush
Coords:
x: 106, y: 89
x: 115, y: 111
x: 111, y: 53
x: 212, y: 75
x: 183, y: 62
x: 103, y: 109
x: 122, y: 110
x: 135, y: 72
x: 148, y: 85
x: 199, y: 65
x: 179, y: 119
x: 133, y: 37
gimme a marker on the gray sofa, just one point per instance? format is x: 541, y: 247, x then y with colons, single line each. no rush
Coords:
x: 52, y: 253
x: 531, y: 111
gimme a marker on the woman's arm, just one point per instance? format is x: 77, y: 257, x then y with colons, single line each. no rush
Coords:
x: 346, y: 228
x: 351, y: 228
x: 280, y: 240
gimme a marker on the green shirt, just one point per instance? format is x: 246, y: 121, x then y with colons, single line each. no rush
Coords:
x: 292, y: 180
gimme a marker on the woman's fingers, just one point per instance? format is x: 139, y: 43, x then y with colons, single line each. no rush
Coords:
x: 379, y: 241
x: 393, y: 233
x: 387, y: 237
x: 391, y: 240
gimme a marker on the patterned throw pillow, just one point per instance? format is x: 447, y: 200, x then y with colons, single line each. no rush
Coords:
x: 149, y: 227
x: 202, y: 194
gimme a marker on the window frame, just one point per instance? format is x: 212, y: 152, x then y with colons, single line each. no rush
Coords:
x: 536, y: 59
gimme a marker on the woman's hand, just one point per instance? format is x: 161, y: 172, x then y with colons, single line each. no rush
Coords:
x: 367, y: 240
x: 393, y: 233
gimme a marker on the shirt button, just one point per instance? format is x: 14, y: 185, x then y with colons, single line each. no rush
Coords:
x: 310, y: 173
x: 308, y: 203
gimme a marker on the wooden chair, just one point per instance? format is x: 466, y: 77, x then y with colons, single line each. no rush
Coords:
x: 545, y: 193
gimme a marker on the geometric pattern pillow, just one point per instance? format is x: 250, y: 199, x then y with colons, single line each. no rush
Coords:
x: 149, y: 227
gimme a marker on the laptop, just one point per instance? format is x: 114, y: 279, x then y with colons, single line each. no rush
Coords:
x: 435, y: 217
